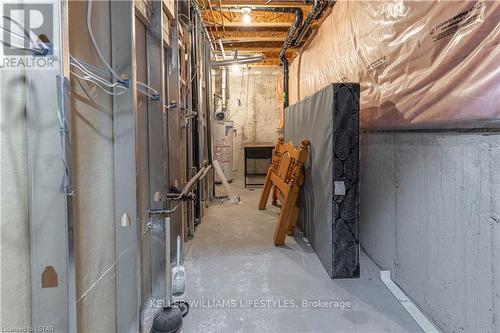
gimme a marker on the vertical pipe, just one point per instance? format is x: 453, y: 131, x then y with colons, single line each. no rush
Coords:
x: 195, y: 108
x: 157, y: 153
x: 284, y: 61
x: 123, y: 61
x: 292, y: 34
x: 295, y: 35
x: 48, y: 121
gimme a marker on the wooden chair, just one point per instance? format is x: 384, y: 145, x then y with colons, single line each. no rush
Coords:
x: 286, y: 176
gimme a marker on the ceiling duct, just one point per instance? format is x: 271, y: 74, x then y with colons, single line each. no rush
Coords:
x: 239, y: 60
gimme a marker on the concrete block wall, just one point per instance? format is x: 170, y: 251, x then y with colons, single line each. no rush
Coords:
x: 430, y: 213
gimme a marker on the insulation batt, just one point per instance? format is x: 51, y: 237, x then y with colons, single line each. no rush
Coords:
x: 419, y: 64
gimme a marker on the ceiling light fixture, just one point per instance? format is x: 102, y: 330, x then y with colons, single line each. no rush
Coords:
x: 247, y: 19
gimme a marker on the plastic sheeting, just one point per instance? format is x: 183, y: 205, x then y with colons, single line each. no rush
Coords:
x: 420, y: 64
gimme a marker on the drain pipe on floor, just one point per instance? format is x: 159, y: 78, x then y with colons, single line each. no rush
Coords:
x: 425, y: 324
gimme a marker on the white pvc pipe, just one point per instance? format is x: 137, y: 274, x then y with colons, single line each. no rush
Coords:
x: 219, y: 171
x: 424, y: 323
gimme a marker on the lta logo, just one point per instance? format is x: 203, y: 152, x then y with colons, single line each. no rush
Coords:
x: 27, y: 29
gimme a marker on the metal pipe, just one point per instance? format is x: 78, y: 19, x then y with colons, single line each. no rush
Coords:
x: 315, y: 12
x: 202, y: 23
x: 238, y: 61
x: 292, y: 34
x: 222, y: 49
x: 290, y: 10
x: 207, y: 170
x: 192, y: 182
x: 295, y: 36
x: 184, y: 195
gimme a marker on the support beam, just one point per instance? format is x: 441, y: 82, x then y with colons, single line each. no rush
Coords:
x: 126, y: 229
x: 157, y: 151
x: 258, y: 48
x: 253, y: 25
x: 257, y: 39
x: 174, y: 178
x: 53, y: 296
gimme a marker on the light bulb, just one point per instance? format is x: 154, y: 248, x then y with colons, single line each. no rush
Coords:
x: 247, y: 19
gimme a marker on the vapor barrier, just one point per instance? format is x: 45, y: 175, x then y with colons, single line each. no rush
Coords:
x: 419, y: 64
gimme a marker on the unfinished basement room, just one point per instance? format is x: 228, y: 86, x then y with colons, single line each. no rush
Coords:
x: 223, y: 166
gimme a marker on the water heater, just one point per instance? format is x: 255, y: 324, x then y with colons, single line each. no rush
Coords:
x: 223, y: 147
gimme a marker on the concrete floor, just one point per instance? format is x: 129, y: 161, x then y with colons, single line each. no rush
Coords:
x: 232, y: 262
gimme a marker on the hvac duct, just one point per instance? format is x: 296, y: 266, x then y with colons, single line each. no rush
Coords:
x: 238, y: 61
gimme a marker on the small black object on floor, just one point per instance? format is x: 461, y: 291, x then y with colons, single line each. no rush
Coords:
x: 169, y: 320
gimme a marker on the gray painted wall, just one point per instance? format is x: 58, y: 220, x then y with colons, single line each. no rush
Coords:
x: 430, y: 213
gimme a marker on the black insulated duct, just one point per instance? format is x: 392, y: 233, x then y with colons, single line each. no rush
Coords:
x: 290, y: 38
x: 316, y: 12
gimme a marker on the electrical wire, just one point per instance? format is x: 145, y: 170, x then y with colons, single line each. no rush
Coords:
x: 187, y: 23
x: 154, y: 93
x: 239, y: 99
x: 90, y: 67
x: 96, y: 47
x: 96, y: 76
x: 39, y: 47
x: 32, y: 37
x: 94, y: 73
x: 103, y: 88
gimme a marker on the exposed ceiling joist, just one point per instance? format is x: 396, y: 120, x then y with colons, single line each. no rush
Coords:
x: 255, y: 31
